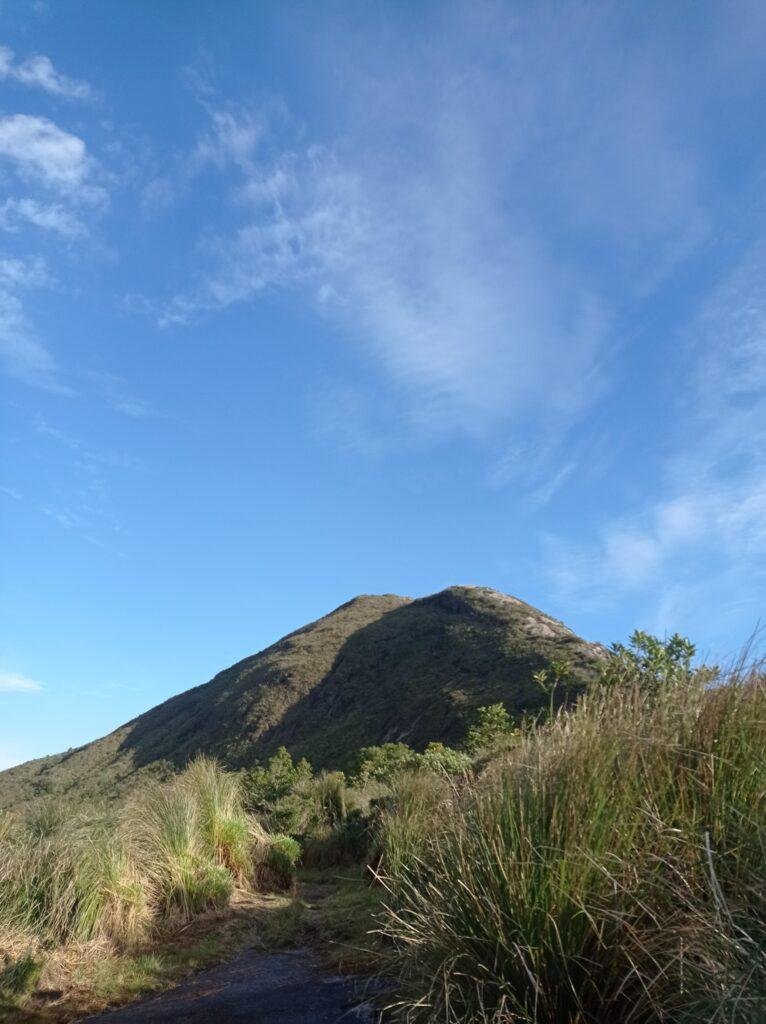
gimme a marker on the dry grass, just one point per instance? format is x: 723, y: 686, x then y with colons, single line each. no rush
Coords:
x: 88, y: 887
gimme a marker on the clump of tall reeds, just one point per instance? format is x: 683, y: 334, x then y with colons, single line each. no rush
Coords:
x: 72, y: 876
x: 612, y: 869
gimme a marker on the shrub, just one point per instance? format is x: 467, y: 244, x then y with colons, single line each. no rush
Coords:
x: 382, y: 763
x: 492, y: 724
x: 275, y: 792
x: 284, y: 852
x: 444, y: 760
x: 616, y: 872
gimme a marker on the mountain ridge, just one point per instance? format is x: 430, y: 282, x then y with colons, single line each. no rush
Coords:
x: 376, y: 668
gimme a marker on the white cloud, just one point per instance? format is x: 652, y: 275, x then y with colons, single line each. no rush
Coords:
x: 38, y: 72
x: 119, y: 397
x: 442, y: 226
x: 23, y: 273
x: 22, y: 355
x: 14, y: 682
x: 707, y: 526
x: 233, y: 137
x: 158, y: 195
x: 473, y: 324
x: 43, y: 152
x: 47, y: 216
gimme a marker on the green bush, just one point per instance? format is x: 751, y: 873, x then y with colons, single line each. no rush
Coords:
x: 382, y: 763
x: 276, y: 792
x: 284, y: 853
x: 444, y: 760
x: 492, y: 724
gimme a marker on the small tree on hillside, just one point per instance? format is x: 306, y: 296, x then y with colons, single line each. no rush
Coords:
x: 492, y: 723
x: 265, y: 785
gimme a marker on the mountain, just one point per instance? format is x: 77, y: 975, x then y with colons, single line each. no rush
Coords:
x: 378, y: 668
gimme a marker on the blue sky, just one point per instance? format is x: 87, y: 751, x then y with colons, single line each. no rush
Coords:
x: 299, y: 301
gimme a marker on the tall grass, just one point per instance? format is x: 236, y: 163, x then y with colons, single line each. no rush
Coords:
x: 611, y: 867
x: 74, y: 881
x: 174, y: 850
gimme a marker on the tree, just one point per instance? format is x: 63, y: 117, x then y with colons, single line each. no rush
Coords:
x: 654, y: 662
x: 265, y: 785
x: 492, y: 723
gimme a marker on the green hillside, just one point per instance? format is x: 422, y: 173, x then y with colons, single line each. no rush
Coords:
x: 378, y: 668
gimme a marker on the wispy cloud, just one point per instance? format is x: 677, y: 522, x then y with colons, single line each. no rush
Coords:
x: 14, y: 682
x: 47, y: 216
x: 442, y: 227
x: 45, y: 158
x: 474, y: 324
x: 43, y: 153
x: 118, y: 395
x: 708, y: 521
x: 38, y: 72
x: 22, y: 354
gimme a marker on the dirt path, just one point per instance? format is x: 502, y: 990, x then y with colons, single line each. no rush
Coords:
x: 286, y: 987
x: 271, y: 986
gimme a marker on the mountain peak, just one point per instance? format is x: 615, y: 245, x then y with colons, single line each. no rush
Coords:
x: 378, y: 667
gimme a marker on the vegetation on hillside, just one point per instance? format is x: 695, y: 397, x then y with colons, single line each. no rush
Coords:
x: 378, y: 669
x: 609, y: 865
x: 100, y: 881
x: 582, y: 863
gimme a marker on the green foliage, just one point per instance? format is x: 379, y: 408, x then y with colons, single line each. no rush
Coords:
x: 611, y: 867
x: 74, y: 876
x: 408, y: 818
x: 329, y: 793
x: 20, y: 975
x: 655, y: 662
x: 444, y: 760
x: 382, y: 763
x: 284, y: 852
x: 492, y: 724
x: 223, y: 823
x: 272, y: 790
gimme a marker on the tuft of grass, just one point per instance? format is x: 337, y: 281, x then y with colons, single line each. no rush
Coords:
x: 281, y: 862
x: 418, y: 804
x: 83, y: 885
x: 610, y: 867
x: 166, y: 828
x: 224, y: 826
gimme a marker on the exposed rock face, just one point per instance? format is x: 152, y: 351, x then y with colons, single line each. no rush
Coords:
x: 378, y: 668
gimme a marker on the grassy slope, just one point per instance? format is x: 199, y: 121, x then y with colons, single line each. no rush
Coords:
x: 376, y: 669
